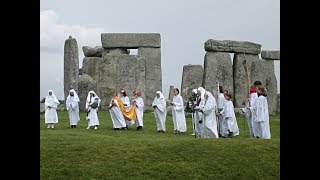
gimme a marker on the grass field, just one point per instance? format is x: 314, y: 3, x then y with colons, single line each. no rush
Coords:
x: 79, y: 153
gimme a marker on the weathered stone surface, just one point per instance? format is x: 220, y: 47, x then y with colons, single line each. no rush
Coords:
x: 153, y: 73
x: 278, y: 103
x: 92, y: 52
x: 242, y: 77
x: 232, y: 46
x: 132, y: 74
x: 170, y: 93
x: 270, y: 55
x: 191, y: 79
x: 116, y: 72
x: 90, y: 66
x: 115, y: 52
x: 86, y: 84
x: 42, y: 108
x: 217, y: 67
x: 263, y: 71
x: 71, y: 66
x: 130, y: 40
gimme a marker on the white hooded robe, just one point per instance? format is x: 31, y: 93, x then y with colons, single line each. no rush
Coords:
x: 160, y: 111
x: 51, y: 115
x: 178, y: 116
x: 72, y: 105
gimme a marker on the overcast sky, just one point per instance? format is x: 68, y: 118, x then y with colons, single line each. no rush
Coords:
x: 184, y: 26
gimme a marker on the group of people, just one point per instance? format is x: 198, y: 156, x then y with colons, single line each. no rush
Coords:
x: 211, y: 118
x: 256, y: 111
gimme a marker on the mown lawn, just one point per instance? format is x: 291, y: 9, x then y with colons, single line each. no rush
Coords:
x: 79, y: 153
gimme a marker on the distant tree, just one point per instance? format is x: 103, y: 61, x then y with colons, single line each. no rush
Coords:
x: 43, y: 100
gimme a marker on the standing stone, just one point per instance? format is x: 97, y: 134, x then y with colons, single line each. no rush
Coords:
x: 71, y: 66
x: 131, y: 74
x: 242, y: 77
x: 90, y: 66
x: 86, y: 84
x: 117, y: 71
x: 263, y: 70
x: 217, y: 67
x: 153, y: 73
x: 191, y: 79
x: 278, y: 103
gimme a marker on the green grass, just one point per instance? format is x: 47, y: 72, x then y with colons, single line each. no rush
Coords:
x: 79, y: 153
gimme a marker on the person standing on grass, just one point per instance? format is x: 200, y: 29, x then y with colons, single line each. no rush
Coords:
x: 261, y: 114
x: 126, y: 102
x: 210, y: 129
x: 178, y: 116
x: 250, y: 110
x: 92, y: 106
x: 116, y: 115
x: 160, y: 112
x: 229, y: 124
x: 51, y: 103
x: 138, y: 102
x: 72, y: 105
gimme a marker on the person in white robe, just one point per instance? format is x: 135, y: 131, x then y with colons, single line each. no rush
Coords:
x: 199, y: 115
x: 116, y: 115
x: 248, y: 110
x: 51, y: 103
x: 126, y: 102
x: 72, y: 105
x: 221, y: 102
x: 178, y: 116
x: 229, y: 124
x: 138, y: 102
x: 209, y: 116
x: 261, y: 114
x: 92, y: 109
x: 160, y: 112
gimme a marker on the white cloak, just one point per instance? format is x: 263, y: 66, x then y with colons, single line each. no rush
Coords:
x: 139, y: 111
x: 93, y: 116
x: 51, y: 115
x: 160, y: 112
x: 72, y: 105
x: 210, y: 121
x: 254, y: 125
x: 221, y: 102
x: 178, y: 116
x: 261, y: 117
x: 229, y: 120
x: 116, y: 115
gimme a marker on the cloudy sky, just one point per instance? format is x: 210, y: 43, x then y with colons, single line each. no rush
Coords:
x: 184, y: 26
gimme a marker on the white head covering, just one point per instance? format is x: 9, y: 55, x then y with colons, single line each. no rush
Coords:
x: 55, y: 100
x: 76, y: 97
x: 202, y: 91
x: 195, y: 91
x: 161, y: 95
x: 88, y: 96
